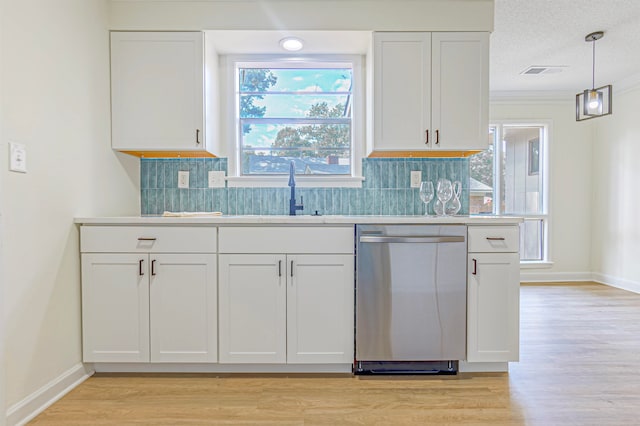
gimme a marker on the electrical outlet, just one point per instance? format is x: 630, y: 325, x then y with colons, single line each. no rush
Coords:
x: 216, y: 179
x: 416, y: 178
x: 17, y: 157
x: 183, y: 179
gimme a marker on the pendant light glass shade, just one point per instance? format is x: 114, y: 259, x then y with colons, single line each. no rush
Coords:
x: 594, y: 102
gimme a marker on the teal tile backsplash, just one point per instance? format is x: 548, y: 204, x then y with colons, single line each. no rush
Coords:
x: 385, y: 190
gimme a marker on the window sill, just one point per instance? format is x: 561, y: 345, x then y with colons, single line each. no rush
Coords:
x: 301, y: 181
x: 529, y: 264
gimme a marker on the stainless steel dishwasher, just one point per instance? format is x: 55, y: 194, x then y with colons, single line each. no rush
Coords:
x: 411, y: 298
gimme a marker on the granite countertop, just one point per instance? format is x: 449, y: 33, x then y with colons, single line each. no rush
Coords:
x: 296, y: 220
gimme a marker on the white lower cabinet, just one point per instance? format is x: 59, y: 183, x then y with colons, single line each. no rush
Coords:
x: 493, y: 297
x: 253, y: 316
x: 146, y: 306
x: 295, y: 309
x: 278, y: 308
x: 320, y: 295
x: 182, y: 308
x: 115, y: 307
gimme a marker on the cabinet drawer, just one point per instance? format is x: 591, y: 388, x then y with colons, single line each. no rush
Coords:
x: 286, y: 239
x: 154, y: 239
x: 494, y: 239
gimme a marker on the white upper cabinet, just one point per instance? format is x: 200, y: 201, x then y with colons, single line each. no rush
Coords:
x: 402, y: 90
x: 460, y: 90
x: 431, y: 91
x: 157, y: 91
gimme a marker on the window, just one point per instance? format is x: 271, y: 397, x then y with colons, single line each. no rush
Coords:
x: 301, y: 110
x: 509, y: 178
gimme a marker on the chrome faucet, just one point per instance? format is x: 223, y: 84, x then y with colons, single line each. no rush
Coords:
x: 293, y: 207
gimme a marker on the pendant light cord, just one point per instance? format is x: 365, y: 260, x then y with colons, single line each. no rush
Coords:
x: 593, y: 68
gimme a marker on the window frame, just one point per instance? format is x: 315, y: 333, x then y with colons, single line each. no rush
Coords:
x: 229, y: 65
x: 545, y: 172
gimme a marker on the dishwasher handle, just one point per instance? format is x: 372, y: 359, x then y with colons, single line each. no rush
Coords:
x: 407, y: 239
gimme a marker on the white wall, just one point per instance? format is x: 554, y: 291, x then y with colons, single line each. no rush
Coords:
x: 387, y: 15
x: 616, y: 194
x: 570, y: 157
x: 55, y: 100
x: 2, y: 297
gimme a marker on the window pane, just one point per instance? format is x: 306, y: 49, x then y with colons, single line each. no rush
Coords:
x: 294, y: 105
x: 481, y: 182
x: 260, y: 80
x: 531, y: 239
x: 295, y: 113
x: 322, y: 148
x: 521, y: 178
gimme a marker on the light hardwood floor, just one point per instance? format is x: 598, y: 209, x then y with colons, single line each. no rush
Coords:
x: 580, y: 365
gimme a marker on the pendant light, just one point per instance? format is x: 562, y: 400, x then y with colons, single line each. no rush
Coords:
x: 594, y: 102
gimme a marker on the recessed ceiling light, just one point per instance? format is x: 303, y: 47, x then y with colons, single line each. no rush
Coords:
x: 291, y: 44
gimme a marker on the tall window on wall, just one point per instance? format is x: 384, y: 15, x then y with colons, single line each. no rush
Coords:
x: 510, y: 178
x: 296, y: 110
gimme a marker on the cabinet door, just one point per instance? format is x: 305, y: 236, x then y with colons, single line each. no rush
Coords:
x: 320, y: 292
x: 402, y: 92
x: 252, y: 320
x: 157, y: 90
x: 183, y: 307
x: 460, y: 90
x: 493, y: 319
x: 115, y: 307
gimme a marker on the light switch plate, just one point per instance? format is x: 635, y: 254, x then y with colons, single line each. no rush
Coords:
x: 17, y: 157
x: 416, y: 178
x: 183, y: 179
x: 216, y: 179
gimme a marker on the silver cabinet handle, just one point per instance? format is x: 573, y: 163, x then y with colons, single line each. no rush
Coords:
x: 146, y: 238
x: 279, y: 268
x: 292, y: 268
x: 391, y: 239
x: 140, y: 267
x: 197, y: 136
x: 495, y: 238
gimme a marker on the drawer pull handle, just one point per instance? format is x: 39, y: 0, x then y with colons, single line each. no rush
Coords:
x: 495, y: 238
x: 146, y: 239
x: 140, y: 267
x: 153, y: 267
x: 475, y: 267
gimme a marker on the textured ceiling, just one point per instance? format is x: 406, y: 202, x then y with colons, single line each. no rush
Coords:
x: 551, y: 33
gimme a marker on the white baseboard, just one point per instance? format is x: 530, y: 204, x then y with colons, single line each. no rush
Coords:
x: 483, y: 367
x: 621, y: 283
x: 26, y: 410
x: 531, y: 276
x: 610, y: 280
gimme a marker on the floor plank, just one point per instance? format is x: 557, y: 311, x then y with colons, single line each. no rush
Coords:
x: 580, y: 365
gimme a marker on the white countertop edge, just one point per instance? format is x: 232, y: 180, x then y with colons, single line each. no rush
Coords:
x: 297, y: 220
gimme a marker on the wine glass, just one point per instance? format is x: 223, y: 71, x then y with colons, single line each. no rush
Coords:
x: 454, y: 207
x: 426, y: 195
x: 444, y: 191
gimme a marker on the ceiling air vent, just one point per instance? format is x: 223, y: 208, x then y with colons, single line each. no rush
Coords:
x: 537, y: 70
